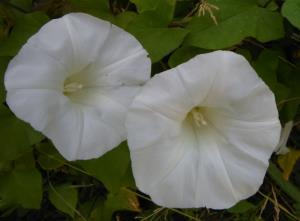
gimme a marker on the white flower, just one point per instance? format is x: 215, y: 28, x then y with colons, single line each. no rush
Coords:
x: 201, y: 134
x: 74, y: 81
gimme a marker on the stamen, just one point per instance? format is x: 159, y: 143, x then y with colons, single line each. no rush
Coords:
x: 198, y: 117
x: 72, y: 87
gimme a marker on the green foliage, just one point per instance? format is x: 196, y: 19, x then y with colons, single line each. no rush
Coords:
x: 162, y: 40
x: 290, y: 10
x: 266, y: 66
x: 33, y: 175
x: 98, y: 8
x: 103, y: 168
x: 289, y: 188
x: 64, y: 197
x: 49, y: 158
x: 25, y: 26
x: 12, y: 128
x: 21, y: 183
x: 123, y: 200
x: 166, y: 40
x: 236, y: 21
x: 241, y: 207
x: 3, y: 64
x: 183, y: 54
x: 164, y: 8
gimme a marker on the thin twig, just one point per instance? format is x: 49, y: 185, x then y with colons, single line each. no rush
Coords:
x: 288, y: 100
x: 280, y: 206
x: 65, y: 163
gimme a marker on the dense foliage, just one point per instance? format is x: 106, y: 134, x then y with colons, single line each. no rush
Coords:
x: 36, y: 183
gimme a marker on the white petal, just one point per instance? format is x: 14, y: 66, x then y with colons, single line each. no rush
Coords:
x: 54, y: 40
x: 120, y: 59
x: 38, y: 107
x: 83, y: 136
x: 110, y: 104
x: 182, y: 165
x: 88, y: 35
x: 32, y: 68
x: 230, y: 84
x: 98, y: 136
x: 65, y: 130
x: 123, y: 59
x: 108, y: 64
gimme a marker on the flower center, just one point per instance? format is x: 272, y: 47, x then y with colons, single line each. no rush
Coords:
x: 198, y: 117
x: 72, y: 87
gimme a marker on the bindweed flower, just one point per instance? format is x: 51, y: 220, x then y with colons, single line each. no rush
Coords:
x: 74, y: 81
x: 201, y: 134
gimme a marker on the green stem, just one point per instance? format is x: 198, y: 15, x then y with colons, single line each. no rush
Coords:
x: 286, y: 186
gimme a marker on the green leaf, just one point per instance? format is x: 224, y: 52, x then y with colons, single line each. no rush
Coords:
x: 297, y: 208
x: 286, y: 186
x: 148, y: 19
x: 16, y: 137
x: 123, y: 20
x: 64, y: 197
x: 266, y: 66
x: 241, y: 207
x: 123, y: 200
x: 145, y: 5
x: 183, y: 54
x: 290, y: 77
x: 287, y: 162
x: 164, y: 8
x: 3, y: 65
x: 26, y: 161
x: 161, y: 41
x: 111, y: 168
x: 98, y: 8
x: 22, y: 186
x: 158, y: 40
x: 23, y: 4
x: 291, y: 11
x: 25, y: 26
x: 236, y: 21
x: 49, y: 158
x: 244, y: 52
x: 272, y: 6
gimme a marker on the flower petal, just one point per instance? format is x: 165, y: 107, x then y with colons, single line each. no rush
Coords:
x: 74, y: 80
x: 38, y: 107
x: 54, y: 40
x: 181, y: 164
x: 37, y: 71
x: 118, y: 59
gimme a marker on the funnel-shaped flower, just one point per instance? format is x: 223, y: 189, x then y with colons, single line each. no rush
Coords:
x: 74, y: 81
x: 201, y: 134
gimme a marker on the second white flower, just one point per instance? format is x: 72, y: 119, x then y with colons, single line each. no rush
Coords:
x: 201, y: 134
